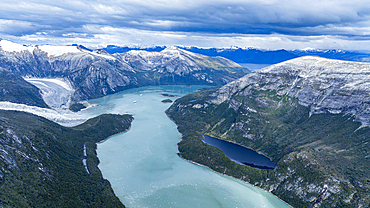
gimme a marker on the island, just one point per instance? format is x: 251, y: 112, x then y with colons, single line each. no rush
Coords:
x: 167, y: 101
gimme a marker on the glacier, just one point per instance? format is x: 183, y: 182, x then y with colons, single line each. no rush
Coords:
x: 56, y: 93
x: 62, y: 117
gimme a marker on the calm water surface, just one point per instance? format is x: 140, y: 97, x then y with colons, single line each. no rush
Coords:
x: 240, y: 154
x: 143, y: 167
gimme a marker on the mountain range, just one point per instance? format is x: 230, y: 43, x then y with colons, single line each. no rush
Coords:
x: 97, y: 73
x: 256, y: 55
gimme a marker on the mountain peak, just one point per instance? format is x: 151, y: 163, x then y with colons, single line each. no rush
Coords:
x: 172, y: 48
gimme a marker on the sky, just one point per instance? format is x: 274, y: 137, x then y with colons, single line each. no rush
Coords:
x: 267, y: 24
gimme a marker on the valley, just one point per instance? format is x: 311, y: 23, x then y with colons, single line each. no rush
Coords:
x: 308, y: 115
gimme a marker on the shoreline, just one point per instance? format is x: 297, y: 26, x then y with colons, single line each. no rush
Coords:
x: 102, y: 141
x: 231, y: 141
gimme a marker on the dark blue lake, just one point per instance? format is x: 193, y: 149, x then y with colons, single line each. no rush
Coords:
x: 240, y: 154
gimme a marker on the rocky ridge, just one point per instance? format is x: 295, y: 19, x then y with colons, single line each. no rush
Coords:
x: 324, y: 85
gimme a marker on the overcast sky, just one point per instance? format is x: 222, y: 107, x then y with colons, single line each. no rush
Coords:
x: 269, y: 24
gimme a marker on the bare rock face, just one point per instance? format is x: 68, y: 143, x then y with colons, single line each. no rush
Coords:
x: 94, y: 74
x: 324, y: 85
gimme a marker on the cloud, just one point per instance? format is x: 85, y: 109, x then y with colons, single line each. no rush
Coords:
x: 223, y: 20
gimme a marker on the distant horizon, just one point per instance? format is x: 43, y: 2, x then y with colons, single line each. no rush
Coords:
x: 143, y: 46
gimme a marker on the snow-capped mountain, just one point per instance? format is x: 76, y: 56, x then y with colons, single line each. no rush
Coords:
x: 324, y: 85
x: 97, y: 73
x: 256, y: 55
x: 174, y: 60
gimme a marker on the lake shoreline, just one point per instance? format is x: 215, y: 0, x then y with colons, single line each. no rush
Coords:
x: 179, y: 154
x: 240, y: 154
x: 231, y: 141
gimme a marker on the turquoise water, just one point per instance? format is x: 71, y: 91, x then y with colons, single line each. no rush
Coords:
x: 144, y: 169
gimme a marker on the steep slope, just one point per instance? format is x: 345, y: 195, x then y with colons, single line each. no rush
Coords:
x: 309, y: 115
x: 97, y: 73
x: 44, y: 164
x: 14, y: 88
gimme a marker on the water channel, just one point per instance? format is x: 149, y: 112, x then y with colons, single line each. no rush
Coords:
x: 144, y: 169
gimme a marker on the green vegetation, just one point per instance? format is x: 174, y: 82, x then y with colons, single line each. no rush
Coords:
x: 310, y: 151
x: 41, y: 161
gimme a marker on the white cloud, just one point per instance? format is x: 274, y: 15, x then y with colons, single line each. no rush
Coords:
x: 264, y: 23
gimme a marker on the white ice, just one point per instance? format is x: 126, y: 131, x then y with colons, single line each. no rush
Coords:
x: 65, y: 118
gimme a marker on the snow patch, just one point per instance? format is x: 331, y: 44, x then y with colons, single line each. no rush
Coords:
x: 85, y: 152
x: 14, y: 47
x: 59, y: 50
x: 85, y: 164
x: 101, y: 55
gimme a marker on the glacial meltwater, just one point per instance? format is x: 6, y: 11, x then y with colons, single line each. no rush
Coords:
x: 144, y: 169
